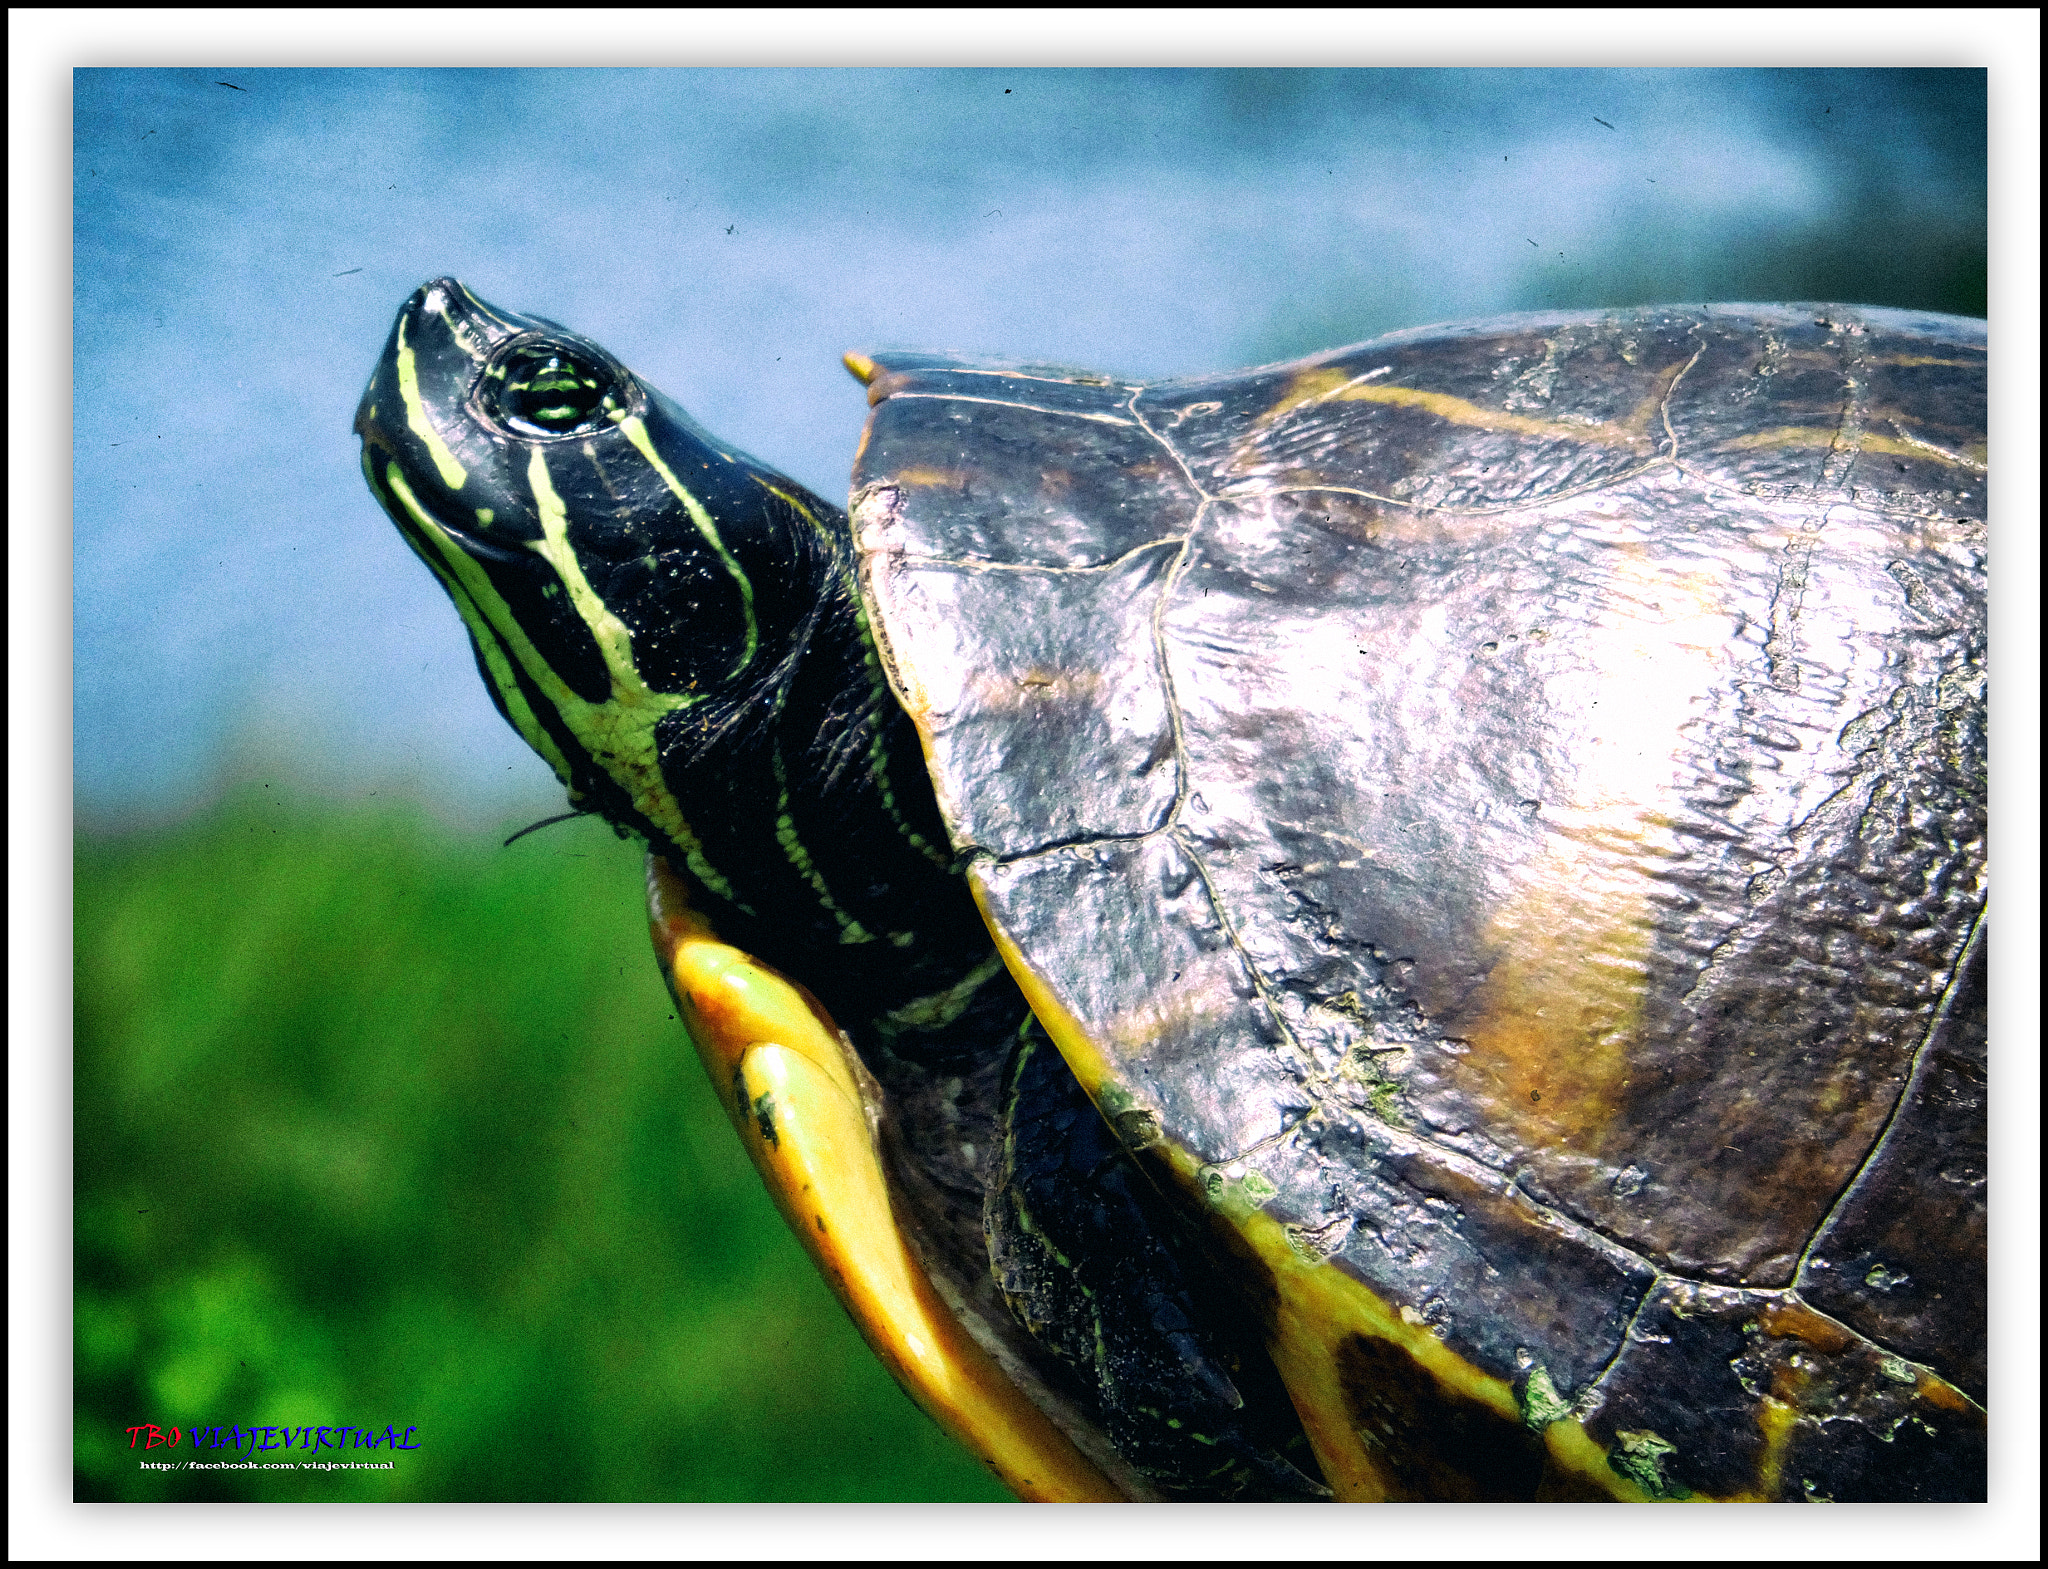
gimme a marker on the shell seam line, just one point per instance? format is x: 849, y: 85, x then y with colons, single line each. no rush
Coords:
x: 1851, y: 423
x: 1912, y: 1074
x: 1605, y: 482
x: 1806, y: 492
x: 1846, y: 445
x: 981, y: 852
x: 1780, y: 1294
x: 1617, y: 1250
x: 1423, y: 506
x: 1582, y: 1405
x: 964, y: 564
x: 1509, y: 1184
x: 1007, y: 403
x: 1670, y: 453
x: 1583, y: 1232
x: 1603, y: 1243
x: 1187, y: 471
x: 1000, y: 374
x: 1313, y: 1080
x: 1184, y: 786
x: 1957, y: 459
x: 1273, y: 1140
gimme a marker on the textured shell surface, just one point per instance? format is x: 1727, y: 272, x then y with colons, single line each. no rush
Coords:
x: 1501, y: 809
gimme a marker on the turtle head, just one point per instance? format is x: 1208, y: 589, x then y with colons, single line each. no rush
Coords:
x: 621, y: 572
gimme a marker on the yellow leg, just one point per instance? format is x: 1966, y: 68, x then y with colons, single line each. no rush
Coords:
x: 780, y: 1067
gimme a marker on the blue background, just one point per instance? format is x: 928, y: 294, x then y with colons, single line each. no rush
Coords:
x: 243, y: 609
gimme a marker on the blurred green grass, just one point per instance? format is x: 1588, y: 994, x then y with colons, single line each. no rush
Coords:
x: 379, y: 1126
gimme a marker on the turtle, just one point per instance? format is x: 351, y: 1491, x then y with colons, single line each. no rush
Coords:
x: 1407, y: 924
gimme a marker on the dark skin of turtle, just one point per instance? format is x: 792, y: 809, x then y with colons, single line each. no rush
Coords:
x: 1098, y: 1269
x: 1505, y: 806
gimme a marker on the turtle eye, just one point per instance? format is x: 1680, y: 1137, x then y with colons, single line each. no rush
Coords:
x: 550, y: 389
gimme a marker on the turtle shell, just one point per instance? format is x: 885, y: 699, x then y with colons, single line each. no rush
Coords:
x: 1495, y: 817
